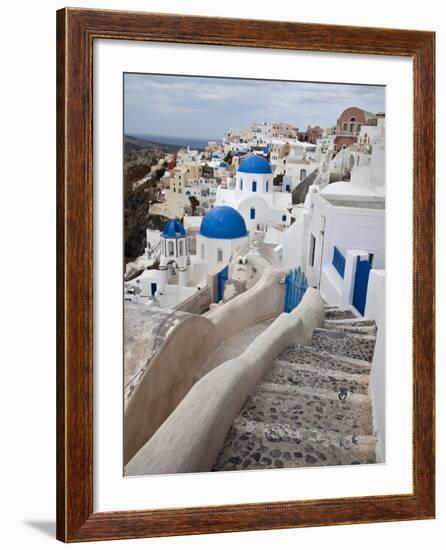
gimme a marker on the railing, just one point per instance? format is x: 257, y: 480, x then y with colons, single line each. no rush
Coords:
x: 338, y: 261
x: 296, y: 285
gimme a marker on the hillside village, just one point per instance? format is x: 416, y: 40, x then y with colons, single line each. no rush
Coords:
x: 270, y: 245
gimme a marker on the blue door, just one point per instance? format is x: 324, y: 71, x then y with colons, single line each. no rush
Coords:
x: 153, y: 288
x: 252, y: 214
x: 363, y: 268
x: 254, y: 186
x: 222, y: 277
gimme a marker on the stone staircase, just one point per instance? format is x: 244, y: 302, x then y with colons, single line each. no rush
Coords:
x: 312, y: 408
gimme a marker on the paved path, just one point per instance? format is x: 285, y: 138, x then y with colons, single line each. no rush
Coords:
x: 234, y: 346
x: 298, y: 416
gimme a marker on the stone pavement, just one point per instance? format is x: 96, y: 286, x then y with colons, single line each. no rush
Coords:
x: 312, y: 408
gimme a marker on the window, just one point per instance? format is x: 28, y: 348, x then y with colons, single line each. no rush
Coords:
x: 241, y: 185
x: 181, y: 248
x: 202, y: 252
x: 344, y: 127
x: 338, y: 261
x: 254, y: 186
x: 352, y: 124
x: 170, y: 248
x: 252, y: 214
x: 219, y: 255
x: 267, y: 186
x: 303, y: 173
x: 312, y: 250
x: 284, y: 218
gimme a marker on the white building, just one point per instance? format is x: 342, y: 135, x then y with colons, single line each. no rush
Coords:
x: 174, y: 254
x: 339, y: 232
x: 253, y: 195
x: 222, y: 232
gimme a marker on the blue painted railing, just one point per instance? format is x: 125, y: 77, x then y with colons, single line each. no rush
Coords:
x: 338, y: 261
x: 296, y: 285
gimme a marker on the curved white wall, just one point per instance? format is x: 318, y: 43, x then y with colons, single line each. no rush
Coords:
x: 193, y: 435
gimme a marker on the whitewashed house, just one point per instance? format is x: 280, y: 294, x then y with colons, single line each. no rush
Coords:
x: 339, y: 233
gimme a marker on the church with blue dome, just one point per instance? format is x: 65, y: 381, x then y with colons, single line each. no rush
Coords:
x: 174, y: 252
x: 223, y: 222
x: 222, y: 232
x: 253, y: 196
x: 255, y: 164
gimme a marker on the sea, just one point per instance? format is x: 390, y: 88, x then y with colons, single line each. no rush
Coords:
x: 192, y: 142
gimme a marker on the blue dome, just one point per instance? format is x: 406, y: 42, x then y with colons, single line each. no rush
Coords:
x: 223, y: 222
x: 255, y: 164
x: 172, y: 229
x: 223, y: 164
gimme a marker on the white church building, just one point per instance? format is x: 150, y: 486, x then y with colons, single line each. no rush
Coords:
x: 180, y: 274
x: 253, y: 195
x: 222, y: 232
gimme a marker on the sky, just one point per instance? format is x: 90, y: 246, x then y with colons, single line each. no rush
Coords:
x: 202, y: 107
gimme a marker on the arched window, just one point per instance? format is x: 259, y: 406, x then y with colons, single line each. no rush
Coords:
x: 352, y: 124
x: 170, y: 248
x: 241, y: 184
x: 202, y: 251
x: 254, y: 186
x: 252, y: 214
x: 267, y: 186
x: 219, y: 255
x: 303, y: 173
x: 181, y: 248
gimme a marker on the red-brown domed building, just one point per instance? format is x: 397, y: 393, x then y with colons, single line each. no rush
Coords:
x: 349, y: 125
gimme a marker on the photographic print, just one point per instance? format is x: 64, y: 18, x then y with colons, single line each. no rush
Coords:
x: 231, y: 354
x: 254, y: 274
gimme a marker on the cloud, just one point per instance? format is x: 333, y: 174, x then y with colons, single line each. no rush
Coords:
x: 205, y: 107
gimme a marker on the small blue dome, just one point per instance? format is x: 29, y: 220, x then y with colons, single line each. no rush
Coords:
x: 173, y: 229
x: 223, y: 222
x: 223, y: 164
x: 255, y: 164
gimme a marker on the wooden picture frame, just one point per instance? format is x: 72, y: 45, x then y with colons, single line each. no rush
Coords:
x: 76, y: 31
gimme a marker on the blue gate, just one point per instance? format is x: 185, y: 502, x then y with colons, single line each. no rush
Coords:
x: 222, y: 277
x: 363, y: 268
x: 296, y: 285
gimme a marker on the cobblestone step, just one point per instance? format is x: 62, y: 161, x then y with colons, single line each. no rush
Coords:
x: 353, y: 329
x: 357, y: 321
x: 324, y: 393
x: 353, y: 332
x: 323, y: 360
x: 292, y: 374
x: 296, y: 416
x: 255, y: 445
x: 332, y: 312
x: 335, y: 342
x: 306, y: 409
